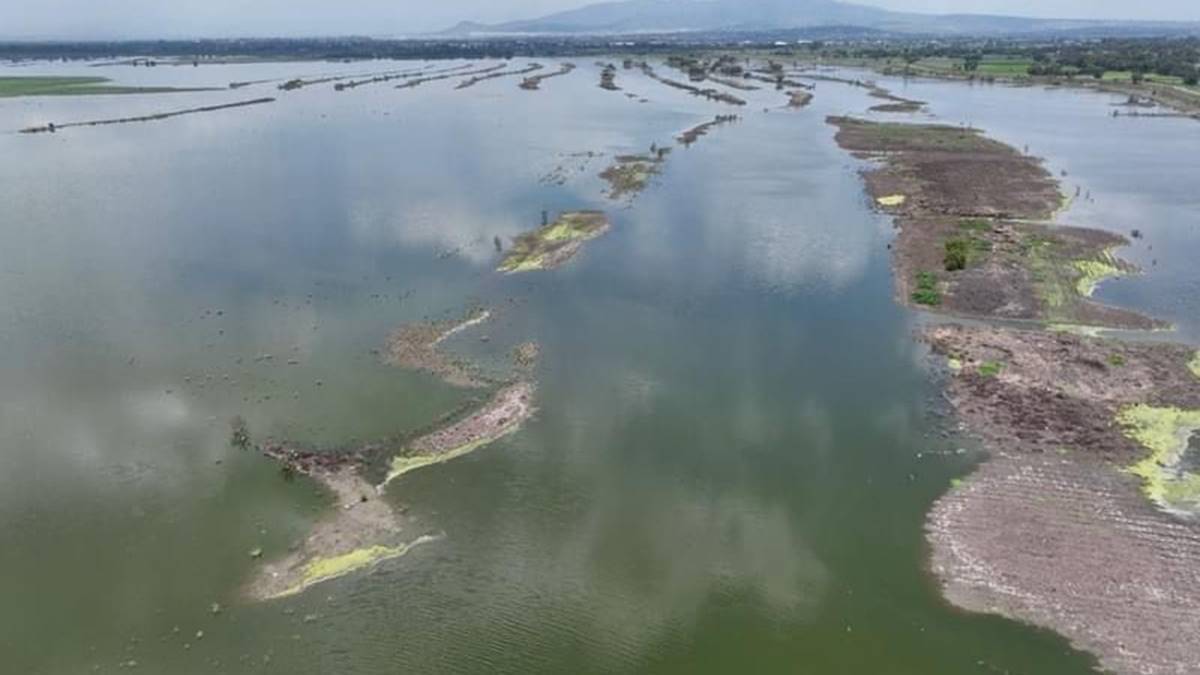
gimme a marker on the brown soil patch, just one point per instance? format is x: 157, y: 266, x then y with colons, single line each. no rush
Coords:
x: 953, y: 187
x: 1057, y: 391
x: 897, y: 104
x: 709, y: 93
x: 947, y: 170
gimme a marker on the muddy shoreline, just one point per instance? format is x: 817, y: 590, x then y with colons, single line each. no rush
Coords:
x: 1085, y: 518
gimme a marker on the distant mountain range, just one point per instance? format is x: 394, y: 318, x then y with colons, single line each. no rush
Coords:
x: 667, y: 16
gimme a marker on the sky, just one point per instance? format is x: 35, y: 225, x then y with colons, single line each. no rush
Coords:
x: 105, y: 19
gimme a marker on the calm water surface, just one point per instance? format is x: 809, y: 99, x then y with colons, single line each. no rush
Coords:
x: 734, y: 451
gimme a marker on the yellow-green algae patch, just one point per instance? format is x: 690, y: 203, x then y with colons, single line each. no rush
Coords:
x: 1092, y: 272
x: 892, y: 200
x: 1165, y: 432
x: 554, y: 244
x: 503, y: 415
x: 1194, y: 366
x: 327, y: 569
x: 402, y: 465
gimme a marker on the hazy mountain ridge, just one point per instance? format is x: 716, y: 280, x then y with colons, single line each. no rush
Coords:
x: 645, y: 16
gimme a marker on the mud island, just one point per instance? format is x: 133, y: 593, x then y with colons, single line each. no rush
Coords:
x: 972, y: 237
x: 363, y: 528
x: 630, y: 174
x: 1083, y: 518
x: 360, y: 529
x: 556, y: 243
x: 501, y: 416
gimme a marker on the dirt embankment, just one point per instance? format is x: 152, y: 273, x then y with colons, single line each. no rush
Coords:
x: 535, y: 82
x: 692, y: 135
x: 709, y: 93
x: 407, y: 75
x: 465, y: 84
x: 895, y: 104
x: 52, y: 127
x: 1074, y: 522
x: 416, y: 82
x: 972, y: 240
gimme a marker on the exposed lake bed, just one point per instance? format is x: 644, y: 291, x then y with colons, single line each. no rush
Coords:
x: 662, y: 498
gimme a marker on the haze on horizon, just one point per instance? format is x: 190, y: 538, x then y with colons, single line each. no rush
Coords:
x: 118, y: 19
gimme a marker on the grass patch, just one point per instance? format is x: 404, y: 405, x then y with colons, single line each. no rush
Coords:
x: 1092, y: 272
x: 1004, y: 67
x: 1127, y: 76
x: 73, y: 86
x: 962, y: 251
x: 990, y: 369
x: 1116, y: 360
x: 975, y: 225
x: 927, y: 292
x: 1194, y: 365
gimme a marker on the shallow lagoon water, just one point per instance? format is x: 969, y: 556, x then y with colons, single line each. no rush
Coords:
x: 734, y: 452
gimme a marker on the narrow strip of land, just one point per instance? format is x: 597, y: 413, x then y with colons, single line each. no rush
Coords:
x: 53, y: 127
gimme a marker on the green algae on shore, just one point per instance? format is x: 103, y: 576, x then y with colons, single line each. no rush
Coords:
x: 1194, y: 365
x: 501, y: 416
x: 1165, y: 432
x: 321, y: 570
x: 1093, y: 272
x: 556, y: 243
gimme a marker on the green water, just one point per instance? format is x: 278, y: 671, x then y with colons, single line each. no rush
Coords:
x: 737, y: 439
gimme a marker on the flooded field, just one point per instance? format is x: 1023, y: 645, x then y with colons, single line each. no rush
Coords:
x: 734, y: 442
